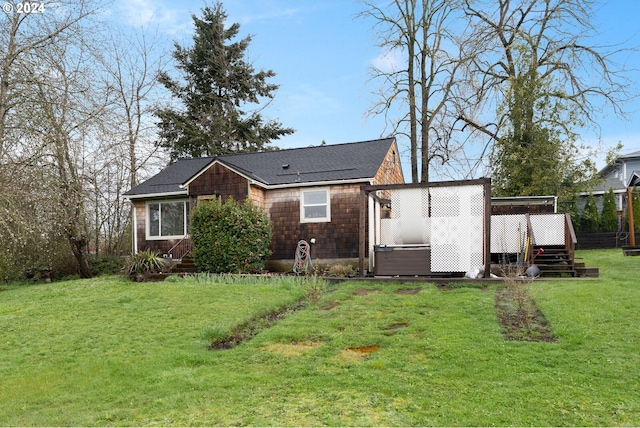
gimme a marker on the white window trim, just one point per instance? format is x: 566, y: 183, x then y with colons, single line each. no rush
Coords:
x: 326, y: 219
x: 148, y: 220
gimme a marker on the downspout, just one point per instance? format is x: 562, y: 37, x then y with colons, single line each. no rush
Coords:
x: 372, y: 227
x: 135, y: 227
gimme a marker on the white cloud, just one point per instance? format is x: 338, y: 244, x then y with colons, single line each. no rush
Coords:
x: 145, y: 13
x: 268, y: 16
x: 389, y: 61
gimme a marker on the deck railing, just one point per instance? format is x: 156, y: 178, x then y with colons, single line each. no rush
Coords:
x: 181, y: 248
x: 570, y: 236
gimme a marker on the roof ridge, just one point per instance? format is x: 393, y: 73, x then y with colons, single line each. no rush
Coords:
x: 305, y: 148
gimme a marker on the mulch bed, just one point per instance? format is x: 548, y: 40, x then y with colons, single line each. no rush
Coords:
x: 520, y: 317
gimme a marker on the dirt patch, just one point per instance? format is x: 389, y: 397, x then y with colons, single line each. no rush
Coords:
x: 329, y: 306
x: 397, y: 326
x: 363, y: 292
x: 247, y: 330
x: 366, y: 350
x: 520, y: 317
x: 293, y: 349
x: 406, y: 291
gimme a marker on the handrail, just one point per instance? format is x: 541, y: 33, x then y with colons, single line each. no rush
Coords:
x: 532, y: 238
x: 572, y: 232
x: 181, y: 248
x: 570, y: 236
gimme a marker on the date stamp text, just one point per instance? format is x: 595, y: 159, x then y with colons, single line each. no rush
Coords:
x: 27, y: 7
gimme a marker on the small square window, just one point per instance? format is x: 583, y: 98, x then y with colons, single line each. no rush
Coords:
x: 315, y: 205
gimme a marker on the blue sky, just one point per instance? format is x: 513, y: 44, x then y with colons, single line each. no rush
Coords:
x: 321, y: 54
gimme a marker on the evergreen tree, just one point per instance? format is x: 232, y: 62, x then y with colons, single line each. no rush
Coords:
x: 590, y: 219
x: 609, y: 218
x: 217, y: 84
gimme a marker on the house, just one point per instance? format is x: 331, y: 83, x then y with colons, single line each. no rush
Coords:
x: 622, y: 174
x: 310, y: 192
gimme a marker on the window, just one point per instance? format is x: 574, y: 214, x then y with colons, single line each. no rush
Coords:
x: 167, y: 220
x: 315, y: 205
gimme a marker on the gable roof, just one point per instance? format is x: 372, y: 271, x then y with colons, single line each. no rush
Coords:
x: 607, y: 170
x: 168, y: 181
x: 358, y: 161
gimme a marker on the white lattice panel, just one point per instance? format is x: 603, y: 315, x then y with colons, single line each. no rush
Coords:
x: 457, y: 228
x: 409, y: 222
x: 548, y: 229
x: 508, y: 233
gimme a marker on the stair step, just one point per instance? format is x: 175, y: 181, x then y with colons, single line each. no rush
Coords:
x: 589, y: 272
x: 559, y: 274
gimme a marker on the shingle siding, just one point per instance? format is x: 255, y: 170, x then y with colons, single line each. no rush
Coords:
x: 220, y: 181
x: 335, y: 239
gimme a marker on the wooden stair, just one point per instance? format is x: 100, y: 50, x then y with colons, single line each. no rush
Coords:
x: 185, y: 266
x: 555, y: 261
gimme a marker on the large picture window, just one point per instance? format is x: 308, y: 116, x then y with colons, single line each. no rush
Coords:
x: 315, y: 205
x: 167, y: 220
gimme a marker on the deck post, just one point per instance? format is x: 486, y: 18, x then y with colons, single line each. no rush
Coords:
x: 487, y: 228
x: 362, y: 231
x: 632, y: 231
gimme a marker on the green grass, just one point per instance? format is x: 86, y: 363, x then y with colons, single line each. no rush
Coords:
x: 110, y: 352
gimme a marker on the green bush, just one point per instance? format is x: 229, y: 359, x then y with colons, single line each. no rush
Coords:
x: 106, y: 265
x: 230, y: 237
x: 609, y: 218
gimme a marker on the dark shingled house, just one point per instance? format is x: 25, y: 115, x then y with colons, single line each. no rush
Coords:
x: 310, y: 192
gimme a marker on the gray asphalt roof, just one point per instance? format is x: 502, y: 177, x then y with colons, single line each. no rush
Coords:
x: 609, y: 183
x: 335, y: 162
x: 168, y: 180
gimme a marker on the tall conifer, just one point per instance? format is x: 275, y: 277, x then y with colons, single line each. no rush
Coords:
x: 216, y: 88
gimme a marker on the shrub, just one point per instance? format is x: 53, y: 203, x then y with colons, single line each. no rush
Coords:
x: 609, y: 218
x: 106, y: 265
x: 143, y: 263
x: 590, y: 220
x: 230, y: 237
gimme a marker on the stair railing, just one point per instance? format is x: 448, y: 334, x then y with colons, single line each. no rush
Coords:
x: 181, y: 248
x: 532, y: 239
x: 570, y: 239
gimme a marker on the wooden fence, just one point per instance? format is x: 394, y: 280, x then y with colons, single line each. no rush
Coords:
x: 598, y: 240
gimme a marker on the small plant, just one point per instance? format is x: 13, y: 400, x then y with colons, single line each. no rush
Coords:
x: 342, y: 270
x: 518, y: 313
x: 315, y: 286
x: 139, y: 266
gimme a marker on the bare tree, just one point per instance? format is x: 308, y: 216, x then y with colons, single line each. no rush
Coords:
x: 39, y: 147
x: 21, y: 36
x: 68, y: 108
x: 422, y: 89
x: 538, y: 74
x: 132, y: 64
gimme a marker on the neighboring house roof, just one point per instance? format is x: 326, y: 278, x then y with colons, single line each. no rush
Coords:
x: 608, y: 169
x: 609, y: 174
x: 358, y: 161
x: 608, y: 183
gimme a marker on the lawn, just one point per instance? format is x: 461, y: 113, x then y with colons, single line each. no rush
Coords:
x: 110, y: 352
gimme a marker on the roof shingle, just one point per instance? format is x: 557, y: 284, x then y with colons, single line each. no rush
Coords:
x: 348, y: 161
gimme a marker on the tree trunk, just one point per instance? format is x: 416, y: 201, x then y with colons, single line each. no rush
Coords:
x: 80, y: 249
